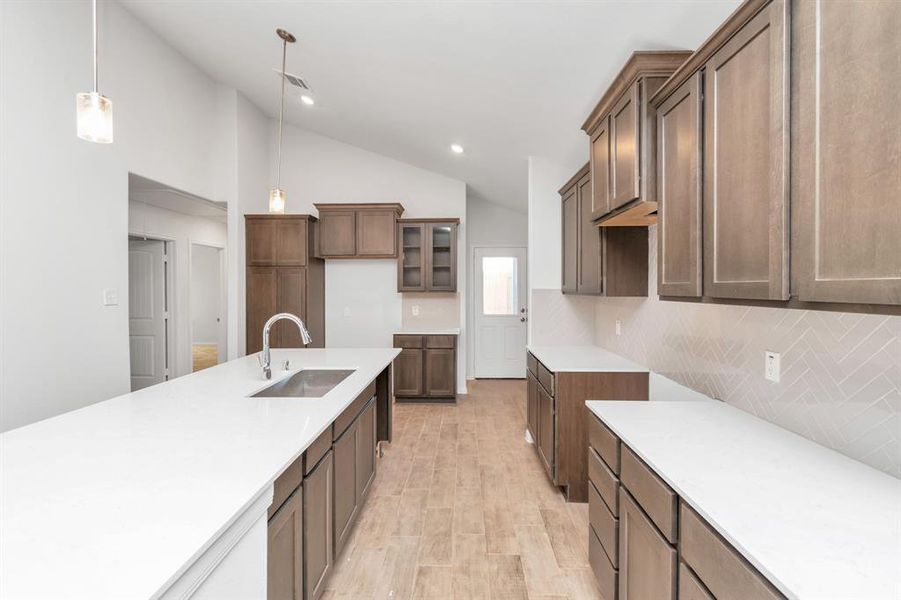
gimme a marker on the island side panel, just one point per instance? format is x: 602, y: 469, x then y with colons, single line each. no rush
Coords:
x: 384, y: 390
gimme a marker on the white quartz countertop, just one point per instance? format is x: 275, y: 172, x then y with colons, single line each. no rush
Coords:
x: 117, y: 499
x: 429, y: 331
x: 583, y: 358
x: 816, y: 523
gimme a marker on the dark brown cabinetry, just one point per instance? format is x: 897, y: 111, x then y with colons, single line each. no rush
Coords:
x: 285, y: 551
x: 358, y: 230
x: 283, y: 275
x: 848, y: 175
x: 599, y: 261
x: 428, y: 255
x: 647, y: 563
x: 317, y: 527
x: 556, y: 417
x: 354, y: 469
x: 622, y: 138
x: 426, y: 368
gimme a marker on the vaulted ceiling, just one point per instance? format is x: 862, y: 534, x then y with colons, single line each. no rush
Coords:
x: 504, y: 79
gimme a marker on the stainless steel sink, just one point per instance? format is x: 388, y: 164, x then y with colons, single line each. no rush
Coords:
x: 309, y: 383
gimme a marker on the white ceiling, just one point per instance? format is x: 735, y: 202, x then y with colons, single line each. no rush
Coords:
x: 406, y: 79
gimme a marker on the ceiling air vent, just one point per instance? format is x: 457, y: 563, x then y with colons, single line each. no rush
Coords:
x: 295, y: 80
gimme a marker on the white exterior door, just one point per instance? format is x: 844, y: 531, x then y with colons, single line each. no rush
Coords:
x: 500, y: 312
x: 147, y: 312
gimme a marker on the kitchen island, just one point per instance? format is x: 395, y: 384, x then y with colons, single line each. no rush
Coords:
x: 153, y: 493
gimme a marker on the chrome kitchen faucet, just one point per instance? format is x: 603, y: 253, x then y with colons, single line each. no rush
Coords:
x: 265, y: 358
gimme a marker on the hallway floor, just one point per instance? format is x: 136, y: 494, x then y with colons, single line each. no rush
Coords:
x: 462, y: 508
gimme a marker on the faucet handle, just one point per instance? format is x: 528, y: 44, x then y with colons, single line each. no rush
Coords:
x: 287, y: 365
x: 260, y: 359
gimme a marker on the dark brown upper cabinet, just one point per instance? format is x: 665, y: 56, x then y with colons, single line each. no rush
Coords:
x: 679, y: 191
x: 848, y: 176
x: 622, y: 134
x: 599, y: 261
x: 746, y: 160
x: 427, y: 261
x: 358, y: 230
x: 283, y: 274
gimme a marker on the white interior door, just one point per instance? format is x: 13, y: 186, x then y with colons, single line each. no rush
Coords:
x: 500, y: 312
x: 147, y: 312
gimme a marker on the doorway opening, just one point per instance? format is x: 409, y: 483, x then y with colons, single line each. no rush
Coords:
x: 500, y: 312
x: 208, y: 301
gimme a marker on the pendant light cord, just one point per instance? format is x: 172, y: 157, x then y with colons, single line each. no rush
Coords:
x: 94, y: 13
x: 281, y: 114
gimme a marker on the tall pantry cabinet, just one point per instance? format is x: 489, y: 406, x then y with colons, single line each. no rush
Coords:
x: 283, y: 274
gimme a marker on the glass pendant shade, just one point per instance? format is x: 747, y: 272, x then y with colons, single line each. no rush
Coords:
x: 277, y: 201
x: 94, y: 117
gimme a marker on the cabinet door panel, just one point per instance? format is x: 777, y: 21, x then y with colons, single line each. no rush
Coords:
x: 532, y: 387
x: 408, y: 373
x: 261, y: 304
x: 291, y: 298
x: 375, y: 233
x: 337, y: 232
x: 679, y: 192
x: 589, y: 242
x: 624, y: 148
x: 647, y: 564
x: 284, y: 558
x: 849, y: 175
x: 411, y: 259
x: 365, y: 452
x: 317, y: 528
x: 746, y: 161
x: 441, y: 258
x: 570, y: 238
x: 600, y: 170
x: 439, y: 372
x: 291, y: 242
x: 546, y: 429
x: 261, y: 246
x: 345, y: 452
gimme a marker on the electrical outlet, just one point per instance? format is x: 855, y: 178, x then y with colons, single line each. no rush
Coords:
x: 110, y: 297
x: 619, y: 327
x: 772, y: 369
x: 415, y: 310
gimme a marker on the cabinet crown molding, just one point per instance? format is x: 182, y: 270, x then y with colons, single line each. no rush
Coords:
x: 395, y: 206
x: 582, y: 172
x: 642, y: 63
x: 281, y: 217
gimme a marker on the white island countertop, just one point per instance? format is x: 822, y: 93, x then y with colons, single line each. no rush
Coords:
x: 583, y: 358
x: 117, y: 499
x: 816, y: 523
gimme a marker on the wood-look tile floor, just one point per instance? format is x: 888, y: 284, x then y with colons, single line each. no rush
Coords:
x: 204, y: 356
x: 461, y: 508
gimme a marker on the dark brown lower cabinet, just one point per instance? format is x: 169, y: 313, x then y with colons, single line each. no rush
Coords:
x: 317, y: 527
x: 366, y: 449
x: 546, y: 426
x: 354, y: 472
x: 647, y: 563
x: 285, y: 551
x: 426, y: 368
x: 532, y: 406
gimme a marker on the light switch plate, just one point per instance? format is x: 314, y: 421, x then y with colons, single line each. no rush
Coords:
x: 619, y: 327
x: 110, y: 297
x: 415, y: 310
x: 772, y: 368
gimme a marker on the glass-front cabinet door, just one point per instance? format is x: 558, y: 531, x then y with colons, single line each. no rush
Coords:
x: 441, y: 264
x: 411, y: 276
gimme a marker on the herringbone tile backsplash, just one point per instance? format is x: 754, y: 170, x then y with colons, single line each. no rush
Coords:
x: 841, y: 372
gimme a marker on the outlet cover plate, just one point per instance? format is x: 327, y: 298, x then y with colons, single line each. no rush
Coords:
x: 772, y: 366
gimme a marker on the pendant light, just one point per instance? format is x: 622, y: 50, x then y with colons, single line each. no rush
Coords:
x: 94, y: 112
x: 276, y: 194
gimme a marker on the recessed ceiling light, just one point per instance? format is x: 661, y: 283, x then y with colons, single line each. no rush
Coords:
x: 456, y: 148
x: 308, y: 100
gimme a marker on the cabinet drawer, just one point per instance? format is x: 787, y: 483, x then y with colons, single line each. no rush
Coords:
x: 718, y: 566
x: 532, y: 364
x: 604, y: 524
x: 689, y: 586
x: 346, y: 418
x: 286, y: 483
x: 604, y: 442
x: 317, y: 450
x: 440, y: 341
x: 546, y: 378
x: 408, y: 341
x: 607, y: 577
x: 604, y: 480
x: 654, y: 496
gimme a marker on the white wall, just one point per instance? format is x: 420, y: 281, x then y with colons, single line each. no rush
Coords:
x: 490, y: 224
x: 319, y: 169
x: 64, y: 202
x: 205, y: 292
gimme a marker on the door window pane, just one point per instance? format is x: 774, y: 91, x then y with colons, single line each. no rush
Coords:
x: 499, y: 285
